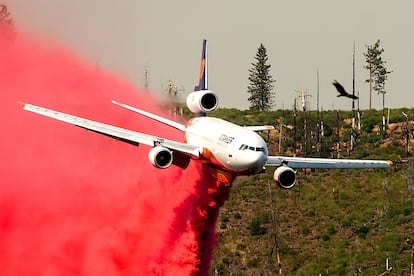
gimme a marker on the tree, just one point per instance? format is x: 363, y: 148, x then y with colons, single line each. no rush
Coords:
x: 377, y: 70
x: 7, y: 30
x: 261, y: 82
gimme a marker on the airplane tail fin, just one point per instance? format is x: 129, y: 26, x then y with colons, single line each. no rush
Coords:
x: 202, y: 80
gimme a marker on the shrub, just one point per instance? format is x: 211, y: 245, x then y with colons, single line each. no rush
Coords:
x: 361, y: 153
x: 256, y: 228
x: 254, y: 262
x: 306, y: 230
x: 363, y: 231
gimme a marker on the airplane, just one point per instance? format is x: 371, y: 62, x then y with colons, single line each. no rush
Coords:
x: 225, y: 149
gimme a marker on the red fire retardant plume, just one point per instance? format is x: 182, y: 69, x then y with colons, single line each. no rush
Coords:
x: 73, y: 202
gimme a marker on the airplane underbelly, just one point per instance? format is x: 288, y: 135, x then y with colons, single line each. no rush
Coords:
x: 230, y: 160
x: 221, y: 155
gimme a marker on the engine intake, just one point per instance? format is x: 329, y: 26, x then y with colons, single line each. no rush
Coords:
x: 160, y: 157
x: 202, y: 101
x: 285, y: 177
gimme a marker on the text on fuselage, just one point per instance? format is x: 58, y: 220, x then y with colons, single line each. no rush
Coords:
x: 226, y: 139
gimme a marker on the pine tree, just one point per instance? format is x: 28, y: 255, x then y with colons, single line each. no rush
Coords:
x: 261, y: 82
x: 377, y: 71
x: 7, y: 30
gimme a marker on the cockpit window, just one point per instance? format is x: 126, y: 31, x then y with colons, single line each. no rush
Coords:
x: 245, y: 147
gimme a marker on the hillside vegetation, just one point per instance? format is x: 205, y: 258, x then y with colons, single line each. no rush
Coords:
x: 333, y: 222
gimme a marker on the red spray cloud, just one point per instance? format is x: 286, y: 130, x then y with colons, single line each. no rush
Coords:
x: 73, y: 202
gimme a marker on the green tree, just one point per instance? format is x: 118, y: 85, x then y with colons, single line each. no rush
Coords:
x: 261, y: 82
x: 256, y: 228
x: 377, y: 70
x: 7, y: 29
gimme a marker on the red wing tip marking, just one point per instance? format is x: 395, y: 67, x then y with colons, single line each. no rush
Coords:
x: 21, y: 103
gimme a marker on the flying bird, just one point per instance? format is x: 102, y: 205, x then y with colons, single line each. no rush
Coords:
x: 342, y: 92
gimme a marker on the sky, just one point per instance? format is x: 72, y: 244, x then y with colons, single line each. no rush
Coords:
x: 302, y: 38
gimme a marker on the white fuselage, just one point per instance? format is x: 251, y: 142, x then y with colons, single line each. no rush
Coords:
x: 233, y: 147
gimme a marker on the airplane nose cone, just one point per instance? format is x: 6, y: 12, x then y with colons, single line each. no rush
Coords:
x: 258, y: 162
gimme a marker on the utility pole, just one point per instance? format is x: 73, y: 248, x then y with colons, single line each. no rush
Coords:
x: 280, y: 135
x: 318, y: 123
x: 172, y: 95
x: 281, y: 125
x: 275, y: 230
x: 146, y: 78
x: 384, y: 125
x: 303, y: 96
x: 359, y: 116
x: 383, y: 113
x: 338, y: 134
x: 353, y: 100
x: 172, y: 88
x: 370, y: 84
x: 294, y: 127
x: 407, y: 134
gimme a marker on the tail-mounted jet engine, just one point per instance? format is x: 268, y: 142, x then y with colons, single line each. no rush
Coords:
x: 202, y: 101
x: 160, y: 157
x: 285, y: 177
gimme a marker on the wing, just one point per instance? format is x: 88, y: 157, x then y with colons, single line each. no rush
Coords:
x: 322, y: 163
x: 122, y: 134
x: 152, y: 116
x: 339, y: 88
x: 259, y: 128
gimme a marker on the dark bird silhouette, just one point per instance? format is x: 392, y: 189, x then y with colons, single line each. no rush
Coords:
x: 342, y: 92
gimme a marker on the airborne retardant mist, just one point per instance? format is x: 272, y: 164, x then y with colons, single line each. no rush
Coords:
x: 73, y: 202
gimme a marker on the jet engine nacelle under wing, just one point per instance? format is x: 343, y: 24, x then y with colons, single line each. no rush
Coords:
x: 160, y: 157
x: 202, y: 101
x: 285, y: 177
